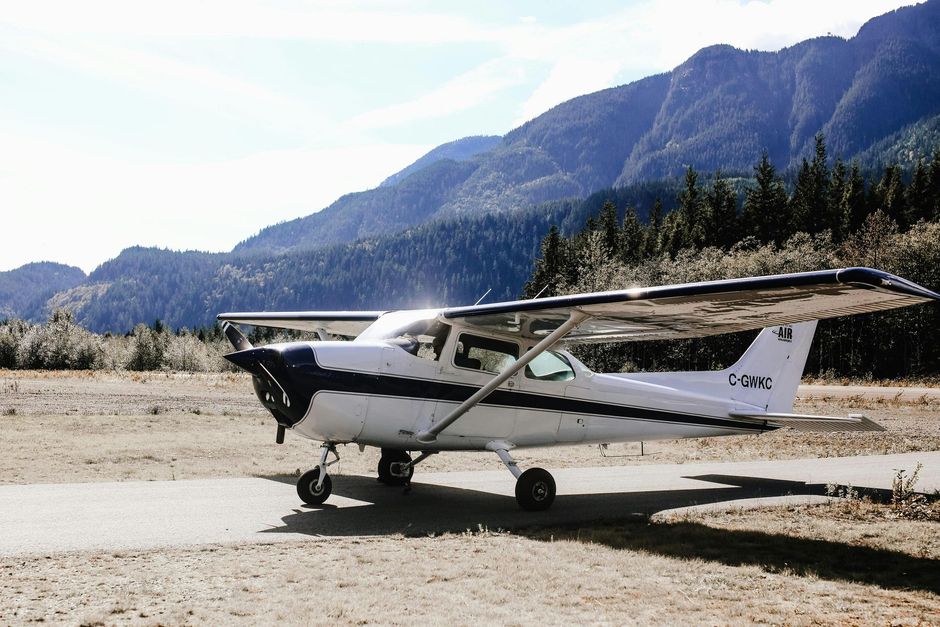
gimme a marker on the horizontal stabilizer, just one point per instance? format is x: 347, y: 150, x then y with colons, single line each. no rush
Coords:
x: 809, y: 422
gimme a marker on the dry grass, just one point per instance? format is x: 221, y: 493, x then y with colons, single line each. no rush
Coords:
x: 783, y: 566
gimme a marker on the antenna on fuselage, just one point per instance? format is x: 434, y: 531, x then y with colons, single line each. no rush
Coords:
x: 482, y: 297
x: 540, y: 292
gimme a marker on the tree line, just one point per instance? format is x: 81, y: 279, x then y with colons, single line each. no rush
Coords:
x: 822, y: 217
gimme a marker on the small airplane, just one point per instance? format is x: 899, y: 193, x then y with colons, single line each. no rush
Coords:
x: 495, y: 377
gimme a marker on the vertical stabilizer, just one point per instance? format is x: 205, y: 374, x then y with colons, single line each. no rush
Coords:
x: 769, y: 371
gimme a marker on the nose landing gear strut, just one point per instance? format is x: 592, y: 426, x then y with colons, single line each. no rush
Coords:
x: 315, y: 486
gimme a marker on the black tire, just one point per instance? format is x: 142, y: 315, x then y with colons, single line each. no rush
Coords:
x: 389, y: 467
x: 307, y: 487
x: 535, y: 490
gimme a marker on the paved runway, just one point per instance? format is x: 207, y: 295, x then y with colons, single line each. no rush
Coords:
x: 47, y: 518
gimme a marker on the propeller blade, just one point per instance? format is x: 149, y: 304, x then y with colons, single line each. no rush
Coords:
x: 236, y: 337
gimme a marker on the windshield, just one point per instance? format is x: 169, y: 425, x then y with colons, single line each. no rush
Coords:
x: 396, y: 324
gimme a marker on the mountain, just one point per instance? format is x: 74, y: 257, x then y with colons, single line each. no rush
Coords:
x: 458, y: 150
x: 443, y: 262
x: 30, y: 286
x: 719, y: 109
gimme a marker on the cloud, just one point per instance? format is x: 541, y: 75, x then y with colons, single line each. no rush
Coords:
x: 214, y: 19
x: 458, y: 94
x: 80, y: 207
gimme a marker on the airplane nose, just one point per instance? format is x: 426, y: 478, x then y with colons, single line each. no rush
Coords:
x: 249, y: 359
x: 278, y: 374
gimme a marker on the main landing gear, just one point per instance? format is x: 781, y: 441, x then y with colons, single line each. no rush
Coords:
x: 397, y: 467
x: 535, y: 488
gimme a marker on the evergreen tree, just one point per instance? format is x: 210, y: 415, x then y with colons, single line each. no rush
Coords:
x: 722, y: 213
x: 889, y: 195
x: 837, y: 188
x: 918, y: 206
x: 692, y: 223
x: 549, y: 271
x: 820, y: 172
x: 610, y: 232
x: 810, y: 200
x: 854, y: 205
x: 631, y: 238
x: 933, y: 184
x: 654, y: 227
x: 765, y: 215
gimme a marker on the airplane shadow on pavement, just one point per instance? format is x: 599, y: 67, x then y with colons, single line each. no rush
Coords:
x: 431, y: 509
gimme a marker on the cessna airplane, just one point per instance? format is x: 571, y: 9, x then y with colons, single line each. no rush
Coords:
x: 495, y: 377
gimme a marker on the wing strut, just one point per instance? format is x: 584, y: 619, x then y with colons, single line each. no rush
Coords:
x: 430, y: 435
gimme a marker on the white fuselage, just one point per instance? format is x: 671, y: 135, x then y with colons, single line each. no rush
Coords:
x: 375, y: 393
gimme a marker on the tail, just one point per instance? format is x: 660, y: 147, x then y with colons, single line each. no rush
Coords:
x: 768, y: 373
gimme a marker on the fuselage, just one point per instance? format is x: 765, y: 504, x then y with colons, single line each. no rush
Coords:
x: 382, y: 391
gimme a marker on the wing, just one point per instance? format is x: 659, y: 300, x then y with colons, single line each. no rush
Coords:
x: 345, y: 323
x: 700, y: 309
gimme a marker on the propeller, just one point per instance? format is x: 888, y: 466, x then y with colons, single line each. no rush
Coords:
x: 246, y: 356
x: 236, y: 337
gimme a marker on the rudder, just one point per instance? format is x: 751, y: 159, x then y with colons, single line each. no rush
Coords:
x: 768, y: 373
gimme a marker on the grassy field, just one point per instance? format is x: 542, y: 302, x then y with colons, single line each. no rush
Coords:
x: 849, y: 562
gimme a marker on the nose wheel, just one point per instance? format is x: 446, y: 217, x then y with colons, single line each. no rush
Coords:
x: 315, y: 486
x: 311, y: 490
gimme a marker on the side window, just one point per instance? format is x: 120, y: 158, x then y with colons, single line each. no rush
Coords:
x: 550, y: 366
x: 483, y: 353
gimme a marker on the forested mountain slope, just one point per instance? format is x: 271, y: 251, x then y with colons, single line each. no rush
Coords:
x: 29, y: 286
x: 443, y: 262
x: 719, y: 109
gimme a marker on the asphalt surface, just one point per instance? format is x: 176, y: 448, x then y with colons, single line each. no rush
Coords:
x: 46, y: 518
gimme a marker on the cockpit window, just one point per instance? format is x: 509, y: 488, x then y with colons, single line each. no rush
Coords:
x: 483, y: 353
x: 418, y: 333
x: 550, y: 366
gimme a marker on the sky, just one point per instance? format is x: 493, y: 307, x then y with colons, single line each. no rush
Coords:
x: 193, y: 124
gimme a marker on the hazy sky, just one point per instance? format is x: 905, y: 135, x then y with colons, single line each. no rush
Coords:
x: 192, y: 124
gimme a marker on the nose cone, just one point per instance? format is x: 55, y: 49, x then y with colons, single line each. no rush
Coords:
x: 249, y: 359
x: 280, y: 376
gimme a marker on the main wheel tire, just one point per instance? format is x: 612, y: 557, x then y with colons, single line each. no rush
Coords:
x: 535, y: 490
x: 390, y: 467
x: 307, y: 487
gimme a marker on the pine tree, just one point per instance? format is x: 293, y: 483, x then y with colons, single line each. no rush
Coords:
x: 918, y: 204
x: 610, y: 232
x: 810, y: 198
x: 631, y: 238
x: 933, y: 184
x: 653, y: 233
x: 837, y: 187
x: 766, y: 213
x: 692, y: 221
x: 854, y: 205
x: 722, y: 214
x: 889, y: 195
x: 820, y: 171
x: 550, y: 268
